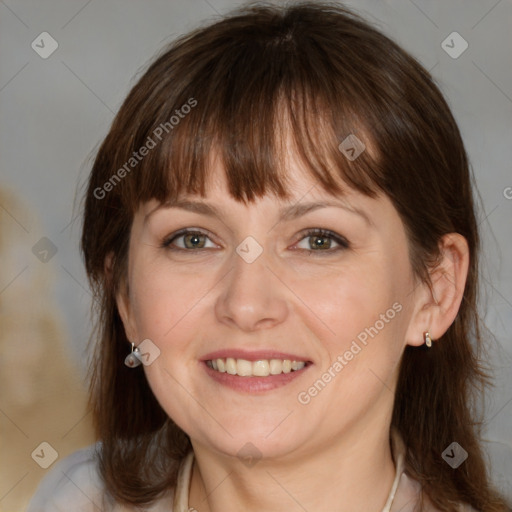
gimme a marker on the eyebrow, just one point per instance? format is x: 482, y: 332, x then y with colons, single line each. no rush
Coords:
x: 286, y: 213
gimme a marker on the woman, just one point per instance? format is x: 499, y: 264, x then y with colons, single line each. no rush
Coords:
x: 280, y: 228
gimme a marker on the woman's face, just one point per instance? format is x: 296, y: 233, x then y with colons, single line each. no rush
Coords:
x: 324, y: 281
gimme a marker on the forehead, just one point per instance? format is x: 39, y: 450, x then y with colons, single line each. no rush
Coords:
x: 299, y: 185
x: 295, y: 175
x: 304, y: 195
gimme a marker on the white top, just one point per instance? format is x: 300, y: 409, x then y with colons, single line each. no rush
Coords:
x: 74, y: 485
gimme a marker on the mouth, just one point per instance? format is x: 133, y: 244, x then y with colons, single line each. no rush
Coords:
x: 258, y: 368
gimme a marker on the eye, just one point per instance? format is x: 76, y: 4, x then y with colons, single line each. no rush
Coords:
x: 188, y: 239
x: 313, y: 240
x: 321, y: 240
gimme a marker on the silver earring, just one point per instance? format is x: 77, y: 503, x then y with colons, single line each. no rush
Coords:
x: 133, y: 358
x: 428, y: 339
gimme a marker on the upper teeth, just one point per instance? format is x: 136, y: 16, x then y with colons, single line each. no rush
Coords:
x: 260, y: 368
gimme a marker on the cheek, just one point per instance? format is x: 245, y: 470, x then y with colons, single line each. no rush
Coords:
x: 351, y: 300
x: 163, y: 298
x: 366, y: 322
x: 360, y: 318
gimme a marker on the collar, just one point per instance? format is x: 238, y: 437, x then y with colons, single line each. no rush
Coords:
x: 402, y: 488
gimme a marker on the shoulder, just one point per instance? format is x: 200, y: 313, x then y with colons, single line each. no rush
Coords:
x: 75, y: 484
x: 72, y: 484
x: 408, y: 493
x: 408, y: 497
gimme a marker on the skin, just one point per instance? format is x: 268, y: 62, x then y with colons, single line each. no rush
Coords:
x: 332, y: 453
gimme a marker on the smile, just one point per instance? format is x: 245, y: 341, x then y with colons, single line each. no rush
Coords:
x: 260, y: 368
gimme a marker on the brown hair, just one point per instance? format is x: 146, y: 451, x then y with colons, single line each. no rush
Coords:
x: 330, y: 74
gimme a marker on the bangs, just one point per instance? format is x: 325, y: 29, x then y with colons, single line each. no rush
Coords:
x: 254, y: 105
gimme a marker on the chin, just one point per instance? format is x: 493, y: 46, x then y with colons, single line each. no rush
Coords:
x: 270, y: 439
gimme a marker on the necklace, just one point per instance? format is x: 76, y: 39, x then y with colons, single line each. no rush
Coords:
x: 181, y: 494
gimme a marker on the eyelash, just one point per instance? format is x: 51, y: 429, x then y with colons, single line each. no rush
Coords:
x: 342, y: 242
x: 321, y: 233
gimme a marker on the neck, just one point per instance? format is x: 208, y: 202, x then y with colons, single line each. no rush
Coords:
x: 352, y: 472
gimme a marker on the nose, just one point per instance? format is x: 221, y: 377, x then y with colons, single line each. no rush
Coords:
x: 253, y: 298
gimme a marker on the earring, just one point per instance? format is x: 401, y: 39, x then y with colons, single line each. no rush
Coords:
x: 133, y: 358
x: 428, y: 339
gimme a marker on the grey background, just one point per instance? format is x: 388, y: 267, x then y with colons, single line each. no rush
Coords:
x: 55, y: 111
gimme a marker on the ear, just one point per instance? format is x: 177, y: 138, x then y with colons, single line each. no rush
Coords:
x: 437, y: 303
x: 122, y: 299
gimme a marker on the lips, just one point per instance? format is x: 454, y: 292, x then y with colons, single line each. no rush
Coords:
x: 254, y: 371
x: 257, y: 368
